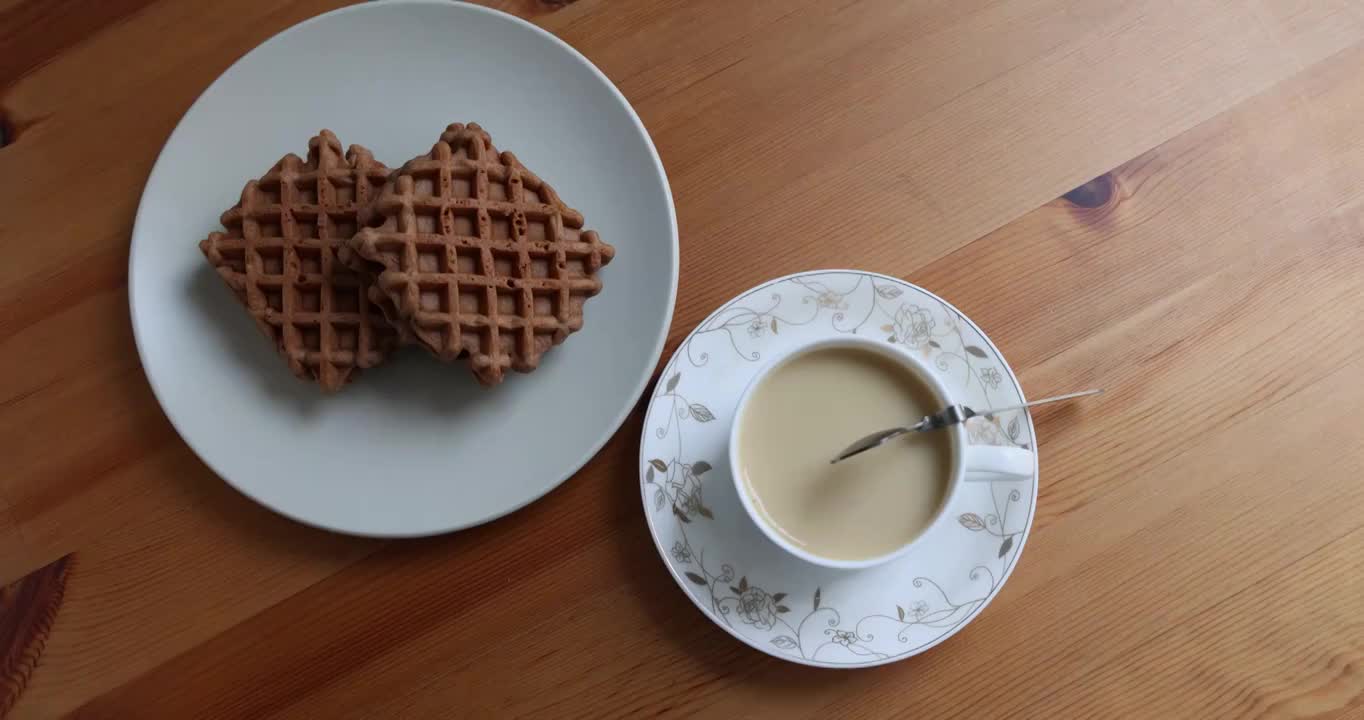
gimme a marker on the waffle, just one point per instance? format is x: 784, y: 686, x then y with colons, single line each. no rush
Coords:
x: 279, y: 257
x: 479, y: 258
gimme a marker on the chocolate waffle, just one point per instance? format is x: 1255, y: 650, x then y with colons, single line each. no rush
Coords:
x: 279, y: 257
x: 479, y: 257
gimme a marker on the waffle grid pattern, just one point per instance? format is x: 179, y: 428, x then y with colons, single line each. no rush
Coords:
x: 480, y: 257
x: 279, y: 257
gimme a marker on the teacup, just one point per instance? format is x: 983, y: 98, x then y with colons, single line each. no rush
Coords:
x: 813, y: 400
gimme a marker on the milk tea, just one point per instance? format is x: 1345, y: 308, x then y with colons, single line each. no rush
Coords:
x: 807, y: 409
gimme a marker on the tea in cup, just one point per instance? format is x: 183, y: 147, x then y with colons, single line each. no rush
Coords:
x: 808, y: 404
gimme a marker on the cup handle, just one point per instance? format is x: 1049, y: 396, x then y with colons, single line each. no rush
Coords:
x: 986, y: 463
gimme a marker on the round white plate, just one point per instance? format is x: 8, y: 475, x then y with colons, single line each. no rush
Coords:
x: 413, y: 447
x: 744, y: 582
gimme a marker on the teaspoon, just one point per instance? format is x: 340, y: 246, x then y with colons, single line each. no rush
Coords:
x: 950, y: 415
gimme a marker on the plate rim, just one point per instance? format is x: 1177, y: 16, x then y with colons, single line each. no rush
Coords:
x: 610, y: 430
x: 985, y: 602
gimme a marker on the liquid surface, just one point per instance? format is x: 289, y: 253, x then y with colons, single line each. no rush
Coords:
x: 808, y: 409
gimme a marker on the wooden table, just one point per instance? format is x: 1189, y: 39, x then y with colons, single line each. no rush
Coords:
x: 1164, y: 198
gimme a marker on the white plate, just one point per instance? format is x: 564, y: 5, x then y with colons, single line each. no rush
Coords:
x: 738, y: 577
x: 411, y: 448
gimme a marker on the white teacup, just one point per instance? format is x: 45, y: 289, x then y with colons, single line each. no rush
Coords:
x: 970, y: 463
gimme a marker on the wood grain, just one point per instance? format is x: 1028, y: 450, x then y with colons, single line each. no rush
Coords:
x: 1165, y: 199
x: 28, y: 610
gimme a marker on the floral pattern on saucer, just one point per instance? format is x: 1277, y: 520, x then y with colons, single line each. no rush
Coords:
x: 748, y: 585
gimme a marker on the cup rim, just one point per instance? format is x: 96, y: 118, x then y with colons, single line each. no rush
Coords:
x: 905, y: 359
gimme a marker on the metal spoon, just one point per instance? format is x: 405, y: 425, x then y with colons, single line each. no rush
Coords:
x: 950, y: 415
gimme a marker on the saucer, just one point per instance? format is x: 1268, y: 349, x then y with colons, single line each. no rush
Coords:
x: 746, y: 584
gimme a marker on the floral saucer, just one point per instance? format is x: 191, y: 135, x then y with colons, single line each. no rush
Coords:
x: 740, y: 579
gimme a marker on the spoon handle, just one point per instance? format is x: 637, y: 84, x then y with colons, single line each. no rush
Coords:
x: 1043, y: 401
